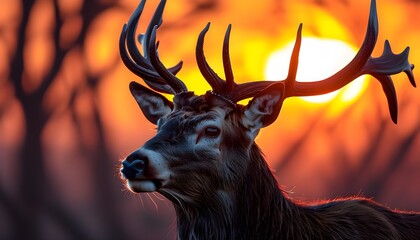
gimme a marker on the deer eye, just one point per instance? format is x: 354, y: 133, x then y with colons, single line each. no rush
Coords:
x: 212, y: 132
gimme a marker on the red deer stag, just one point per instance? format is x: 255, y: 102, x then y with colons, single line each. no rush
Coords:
x: 204, y: 158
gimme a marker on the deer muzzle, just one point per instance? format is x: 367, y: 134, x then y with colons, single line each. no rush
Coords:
x: 144, y: 171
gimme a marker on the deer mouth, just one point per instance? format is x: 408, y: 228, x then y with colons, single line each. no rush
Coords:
x: 143, y: 185
x: 138, y: 178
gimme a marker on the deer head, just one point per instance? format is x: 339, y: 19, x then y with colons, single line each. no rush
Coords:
x: 204, y: 146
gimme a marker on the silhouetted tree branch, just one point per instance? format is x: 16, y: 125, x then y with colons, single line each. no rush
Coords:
x: 32, y: 174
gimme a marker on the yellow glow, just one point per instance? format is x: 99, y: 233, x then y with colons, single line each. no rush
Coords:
x: 318, y: 59
x: 101, y: 45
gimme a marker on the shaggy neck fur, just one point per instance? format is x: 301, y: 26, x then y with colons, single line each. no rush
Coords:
x: 257, y: 209
x: 213, y: 221
x: 255, y: 203
x: 261, y: 204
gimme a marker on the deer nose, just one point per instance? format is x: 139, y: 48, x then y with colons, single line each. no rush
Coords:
x: 133, y: 165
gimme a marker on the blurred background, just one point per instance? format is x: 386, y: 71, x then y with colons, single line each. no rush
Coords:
x: 67, y: 117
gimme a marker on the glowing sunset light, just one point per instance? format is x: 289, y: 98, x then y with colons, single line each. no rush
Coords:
x: 319, y: 58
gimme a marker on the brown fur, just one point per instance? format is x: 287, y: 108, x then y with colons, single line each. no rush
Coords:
x: 238, y: 197
x: 267, y: 213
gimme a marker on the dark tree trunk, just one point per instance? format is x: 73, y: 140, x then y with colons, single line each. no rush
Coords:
x: 32, y: 182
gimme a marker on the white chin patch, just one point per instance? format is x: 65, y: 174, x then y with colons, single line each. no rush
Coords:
x: 142, y: 185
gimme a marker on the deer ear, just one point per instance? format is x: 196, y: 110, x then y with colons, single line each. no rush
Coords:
x: 264, y: 108
x: 152, y: 104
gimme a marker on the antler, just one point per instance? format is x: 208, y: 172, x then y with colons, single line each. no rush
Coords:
x: 363, y: 63
x: 148, y: 66
x: 381, y: 68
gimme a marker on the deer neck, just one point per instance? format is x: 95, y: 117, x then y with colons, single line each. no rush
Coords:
x: 213, y: 219
x: 249, y: 211
x: 265, y: 207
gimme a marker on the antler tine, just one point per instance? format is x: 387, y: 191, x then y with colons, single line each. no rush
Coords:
x: 155, y: 22
x: 294, y: 62
x: 227, y: 66
x: 177, y: 85
x: 131, y: 40
x: 157, y: 76
x: 216, y: 83
x: 382, y: 67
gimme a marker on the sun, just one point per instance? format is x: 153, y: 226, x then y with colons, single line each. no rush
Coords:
x: 319, y: 58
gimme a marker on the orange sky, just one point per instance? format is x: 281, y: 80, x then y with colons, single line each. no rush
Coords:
x: 316, y: 150
x: 259, y: 29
